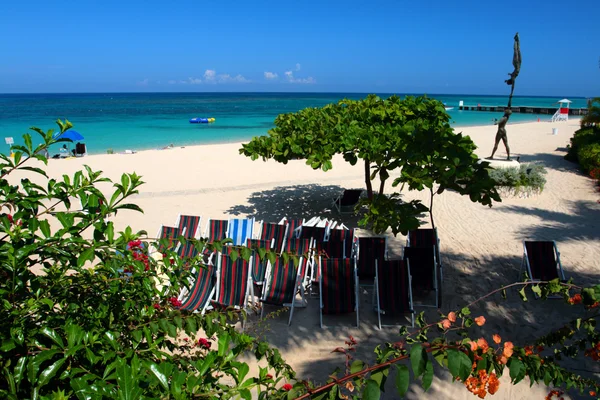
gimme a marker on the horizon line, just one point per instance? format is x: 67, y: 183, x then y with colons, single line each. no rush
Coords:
x: 287, y: 92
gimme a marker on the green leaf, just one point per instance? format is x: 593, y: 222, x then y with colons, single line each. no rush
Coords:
x: 245, y: 394
x: 162, y: 378
x: 223, y: 344
x: 459, y: 364
x: 371, y: 391
x: 536, y: 290
x: 45, y: 228
x: 402, y: 379
x: 522, y: 294
x: 127, y: 387
x: 49, y: 372
x: 242, y: 371
x: 357, y: 365
x: 418, y: 359
x: 517, y: 370
x: 33, y: 366
x: 53, y: 335
x: 428, y: 375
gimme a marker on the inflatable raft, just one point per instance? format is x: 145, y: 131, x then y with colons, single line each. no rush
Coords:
x: 201, y: 120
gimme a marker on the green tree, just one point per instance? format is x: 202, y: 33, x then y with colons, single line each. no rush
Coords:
x: 412, y: 135
x: 593, y: 115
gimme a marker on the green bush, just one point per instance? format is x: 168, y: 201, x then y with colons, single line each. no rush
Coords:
x: 582, y: 138
x: 589, y: 156
x: 102, y: 319
x: 528, y: 177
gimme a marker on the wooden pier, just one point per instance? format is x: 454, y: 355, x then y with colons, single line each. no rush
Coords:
x: 523, y: 109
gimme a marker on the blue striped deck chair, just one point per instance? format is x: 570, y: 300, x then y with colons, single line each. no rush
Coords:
x: 423, y: 271
x: 202, y: 291
x: 234, y: 283
x: 216, y: 230
x: 191, y: 223
x: 276, y: 232
x: 281, y: 285
x: 240, y: 230
x: 393, y: 289
x: 428, y: 238
x: 338, y: 287
x: 541, y: 262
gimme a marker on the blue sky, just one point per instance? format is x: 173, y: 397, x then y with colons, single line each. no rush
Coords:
x: 429, y: 46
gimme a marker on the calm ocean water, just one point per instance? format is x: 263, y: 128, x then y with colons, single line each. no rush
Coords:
x: 140, y: 121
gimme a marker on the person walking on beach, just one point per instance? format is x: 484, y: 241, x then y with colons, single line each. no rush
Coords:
x: 501, y: 135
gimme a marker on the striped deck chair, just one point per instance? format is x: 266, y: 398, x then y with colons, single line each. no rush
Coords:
x: 234, y: 283
x: 393, y: 289
x: 541, y: 259
x: 191, y: 223
x: 338, y: 287
x: 427, y: 238
x: 240, y: 230
x: 331, y: 249
x: 216, y: 229
x: 292, y: 227
x: 302, y: 248
x: 349, y: 238
x: 281, y: 285
x: 259, y: 267
x: 423, y: 270
x: 276, y: 232
x: 370, y: 249
x: 168, y: 238
x: 198, y: 298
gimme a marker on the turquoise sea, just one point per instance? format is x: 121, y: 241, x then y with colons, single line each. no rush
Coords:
x: 140, y: 121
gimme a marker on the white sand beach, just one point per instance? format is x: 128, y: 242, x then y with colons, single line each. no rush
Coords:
x: 481, y: 247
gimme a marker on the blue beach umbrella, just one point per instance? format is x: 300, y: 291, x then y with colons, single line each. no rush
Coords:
x: 70, y: 134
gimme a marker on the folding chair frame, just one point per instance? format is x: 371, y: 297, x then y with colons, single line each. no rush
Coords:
x: 525, y: 263
x: 439, y: 262
x: 435, y: 282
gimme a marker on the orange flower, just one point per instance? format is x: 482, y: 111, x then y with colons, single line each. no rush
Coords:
x: 502, y: 360
x: 528, y: 350
x: 452, y: 316
x: 483, y: 344
x: 592, y: 393
x: 497, y: 338
x: 508, y: 349
x: 493, y: 383
x: 480, y: 320
x: 473, y: 345
x: 446, y: 324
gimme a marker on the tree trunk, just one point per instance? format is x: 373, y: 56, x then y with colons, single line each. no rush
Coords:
x: 431, y: 207
x: 368, y: 179
x: 381, y: 185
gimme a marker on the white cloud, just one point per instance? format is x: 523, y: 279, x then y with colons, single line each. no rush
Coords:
x: 172, y: 82
x: 194, y: 81
x: 289, y: 75
x: 271, y: 75
x: 143, y: 82
x: 298, y: 66
x: 210, y: 75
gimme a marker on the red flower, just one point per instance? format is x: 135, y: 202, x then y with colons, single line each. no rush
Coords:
x: 287, y: 387
x: 268, y: 376
x: 156, y: 306
x: 204, y: 343
x: 10, y: 218
x: 134, y: 244
x: 175, y: 302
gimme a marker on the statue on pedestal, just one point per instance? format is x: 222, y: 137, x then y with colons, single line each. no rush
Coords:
x: 501, y: 134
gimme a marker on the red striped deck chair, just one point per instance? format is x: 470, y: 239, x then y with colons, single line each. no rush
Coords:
x: 191, y: 223
x: 259, y: 267
x: 168, y: 238
x: 541, y: 259
x: 338, y: 287
x: 198, y: 298
x: 292, y: 227
x: 349, y: 238
x: 216, y: 230
x: 281, y: 285
x: 370, y: 249
x: 331, y: 249
x: 425, y: 238
x: 234, y: 283
x: 393, y: 289
x: 301, y: 247
x: 276, y: 232
x: 423, y: 270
